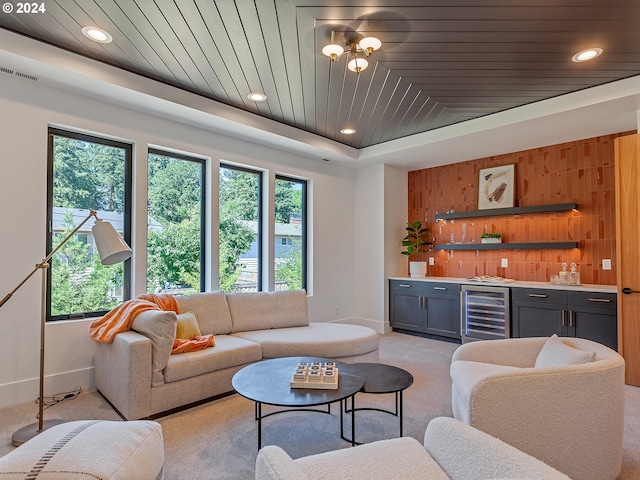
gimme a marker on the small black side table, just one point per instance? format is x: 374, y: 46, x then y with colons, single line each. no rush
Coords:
x: 268, y: 382
x: 380, y: 378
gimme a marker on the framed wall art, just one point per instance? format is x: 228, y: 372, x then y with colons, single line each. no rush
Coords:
x: 496, y: 187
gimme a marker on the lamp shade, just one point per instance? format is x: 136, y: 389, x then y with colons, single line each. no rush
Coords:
x: 357, y: 64
x: 369, y: 44
x: 333, y: 50
x: 111, y: 247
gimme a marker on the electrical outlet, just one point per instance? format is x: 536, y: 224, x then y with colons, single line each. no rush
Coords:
x: 505, y: 262
x: 432, y: 261
x: 606, y: 264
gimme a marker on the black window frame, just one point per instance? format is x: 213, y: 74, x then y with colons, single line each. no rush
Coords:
x: 305, y: 221
x: 203, y: 205
x: 260, y: 174
x: 128, y: 197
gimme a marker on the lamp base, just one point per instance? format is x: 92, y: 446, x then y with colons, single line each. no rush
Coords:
x: 30, y: 431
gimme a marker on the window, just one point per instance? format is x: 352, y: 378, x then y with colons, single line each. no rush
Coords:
x: 290, y: 224
x: 86, y: 173
x: 175, y: 223
x: 240, y: 229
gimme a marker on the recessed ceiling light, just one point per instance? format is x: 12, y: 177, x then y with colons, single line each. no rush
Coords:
x: 97, y: 34
x: 586, y: 55
x: 348, y: 131
x: 257, y: 97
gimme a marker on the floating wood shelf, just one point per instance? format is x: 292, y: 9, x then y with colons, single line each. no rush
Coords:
x: 506, y: 246
x: 558, y: 207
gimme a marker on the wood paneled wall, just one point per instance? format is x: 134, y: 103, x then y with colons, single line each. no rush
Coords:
x: 581, y: 171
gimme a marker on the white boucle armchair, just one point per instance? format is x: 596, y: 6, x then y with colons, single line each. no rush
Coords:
x: 451, y: 451
x: 569, y: 416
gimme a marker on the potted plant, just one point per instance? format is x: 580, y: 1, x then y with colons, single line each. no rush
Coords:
x: 416, y: 241
x: 491, y: 237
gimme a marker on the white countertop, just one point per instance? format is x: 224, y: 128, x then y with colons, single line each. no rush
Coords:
x: 590, y: 287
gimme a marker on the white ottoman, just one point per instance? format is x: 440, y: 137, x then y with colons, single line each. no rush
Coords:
x: 89, y: 449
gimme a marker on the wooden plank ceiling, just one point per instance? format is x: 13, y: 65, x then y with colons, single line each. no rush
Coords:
x: 441, y: 61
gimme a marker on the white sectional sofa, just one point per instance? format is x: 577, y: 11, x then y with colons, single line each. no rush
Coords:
x: 138, y: 375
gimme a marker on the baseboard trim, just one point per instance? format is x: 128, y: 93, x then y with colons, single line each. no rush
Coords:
x: 27, y: 390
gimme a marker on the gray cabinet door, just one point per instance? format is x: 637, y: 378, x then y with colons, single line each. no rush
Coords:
x: 538, y: 312
x: 442, y: 301
x: 405, y: 305
x: 594, y: 316
x: 537, y: 320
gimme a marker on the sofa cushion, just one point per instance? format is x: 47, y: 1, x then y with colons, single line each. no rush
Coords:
x: 211, y: 311
x: 265, y: 310
x: 159, y: 327
x: 187, y: 327
x: 557, y: 353
x: 89, y: 449
x: 229, y: 352
x: 330, y: 340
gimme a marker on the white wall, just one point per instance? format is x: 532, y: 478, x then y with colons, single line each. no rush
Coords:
x: 380, y: 216
x: 27, y: 108
x: 396, y: 209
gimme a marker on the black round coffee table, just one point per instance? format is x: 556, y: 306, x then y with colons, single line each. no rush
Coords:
x: 268, y: 382
x: 381, y: 378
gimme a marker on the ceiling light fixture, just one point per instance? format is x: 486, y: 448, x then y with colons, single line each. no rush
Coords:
x: 257, y: 97
x: 356, y: 53
x: 586, y: 55
x: 348, y: 131
x: 97, y: 34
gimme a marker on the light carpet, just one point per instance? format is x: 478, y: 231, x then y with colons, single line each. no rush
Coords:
x: 218, y: 440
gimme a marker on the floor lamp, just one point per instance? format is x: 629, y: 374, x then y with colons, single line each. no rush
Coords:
x: 112, y: 249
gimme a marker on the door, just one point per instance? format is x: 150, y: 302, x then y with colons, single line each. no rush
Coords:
x: 406, y: 310
x: 538, y: 320
x: 627, y: 151
x: 443, y: 309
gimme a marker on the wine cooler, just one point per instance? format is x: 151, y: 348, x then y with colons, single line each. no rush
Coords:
x: 485, y: 313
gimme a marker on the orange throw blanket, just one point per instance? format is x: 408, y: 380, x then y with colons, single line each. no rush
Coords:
x: 121, y: 318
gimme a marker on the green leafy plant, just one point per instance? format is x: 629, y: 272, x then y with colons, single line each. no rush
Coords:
x: 417, y: 239
x: 491, y: 235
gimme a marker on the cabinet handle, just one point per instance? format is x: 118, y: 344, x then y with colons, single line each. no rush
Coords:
x: 602, y: 300
x: 571, y: 318
x: 404, y: 285
x: 564, y: 314
x: 538, y: 295
x: 439, y: 288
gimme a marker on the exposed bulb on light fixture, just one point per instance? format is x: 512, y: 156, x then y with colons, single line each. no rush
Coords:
x: 357, y: 64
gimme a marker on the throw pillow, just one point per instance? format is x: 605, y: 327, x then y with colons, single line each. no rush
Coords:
x: 160, y: 327
x: 187, y: 327
x: 556, y: 353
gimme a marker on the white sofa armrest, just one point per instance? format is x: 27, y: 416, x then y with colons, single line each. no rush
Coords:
x: 466, y: 453
x: 515, y: 352
x: 273, y: 463
x: 123, y: 371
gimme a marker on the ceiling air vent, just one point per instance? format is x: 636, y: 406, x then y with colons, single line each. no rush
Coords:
x: 6, y: 70
x: 27, y: 76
